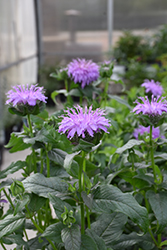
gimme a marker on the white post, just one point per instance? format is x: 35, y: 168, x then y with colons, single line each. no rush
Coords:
x: 110, y: 13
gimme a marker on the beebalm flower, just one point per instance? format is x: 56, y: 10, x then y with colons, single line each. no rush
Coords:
x: 79, y: 122
x: 153, y: 87
x: 83, y: 71
x: 155, y: 107
x: 25, y: 94
x: 141, y: 130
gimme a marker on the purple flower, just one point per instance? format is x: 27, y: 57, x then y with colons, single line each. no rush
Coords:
x: 25, y: 94
x: 154, y: 108
x: 141, y: 130
x: 3, y: 201
x: 153, y: 87
x: 83, y: 71
x: 80, y: 122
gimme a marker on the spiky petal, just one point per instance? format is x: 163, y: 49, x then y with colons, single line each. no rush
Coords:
x: 83, y: 71
x: 78, y: 122
x: 154, y: 108
x: 25, y: 94
x: 153, y: 87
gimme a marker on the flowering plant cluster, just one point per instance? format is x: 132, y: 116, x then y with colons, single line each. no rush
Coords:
x: 95, y: 177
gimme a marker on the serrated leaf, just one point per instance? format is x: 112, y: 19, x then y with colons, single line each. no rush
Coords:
x: 53, y: 232
x: 41, y: 185
x: 11, y: 223
x: 21, y: 204
x: 128, y: 145
x: 14, y: 167
x: 129, y: 240
x: 16, y: 144
x: 59, y: 205
x: 108, y: 198
x: 69, y: 165
x: 36, y: 202
x: 71, y: 237
x: 35, y: 244
x: 98, y: 240
x: 84, y: 145
x: 57, y: 155
x: 109, y: 227
x: 17, y: 239
x: 158, y: 202
x: 87, y: 243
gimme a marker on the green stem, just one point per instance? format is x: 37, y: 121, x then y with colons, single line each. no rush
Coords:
x: 3, y: 246
x: 83, y: 185
x: 41, y: 170
x: 152, y: 236
x: 46, y: 213
x: 105, y: 92
x: 152, y: 154
x: 26, y: 234
x: 9, y: 199
x: 48, y: 165
x: 66, y: 86
x: 88, y: 217
x: 33, y: 221
x: 33, y: 151
x: 81, y: 201
x: 38, y: 228
x: 29, y: 124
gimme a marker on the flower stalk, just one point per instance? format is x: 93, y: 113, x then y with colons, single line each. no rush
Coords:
x: 152, y: 154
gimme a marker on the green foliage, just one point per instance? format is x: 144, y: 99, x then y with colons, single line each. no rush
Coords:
x: 106, y: 193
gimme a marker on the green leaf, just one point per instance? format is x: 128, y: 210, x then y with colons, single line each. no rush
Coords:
x: 40, y: 118
x: 14, y: 239
x: 14, y: 167
x: 75, y: 92
x: 43, y: 135
x: 98, y: 240
x: 36, y: 202
x: 129, y: 240
x: 130, y: 144
x: 108, y: 198
x: 35, y: 243
x: 120, y: 100
x: 109, y: 227
x: 70, y: 165
x: 41, y: 185
x: 87, y: 243
x: 16, y: 144
x: 163, y: 243
x: 57, y: 92
x: 59, y: 205
x: 57, y: 155
x: 10, y: 224
x: 84, y: 145
x: 21, y: 204
x: 53, y: 232
x: 71, y: 237
x: 158, y: 204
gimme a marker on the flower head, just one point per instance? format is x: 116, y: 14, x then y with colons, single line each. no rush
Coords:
x: 83, y: 71
x: 141, y: 130
x: 25, y: 94
x: 153, y: 87
x: 81, y: 122
x: 154, y: 108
